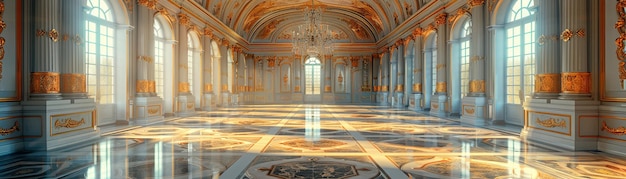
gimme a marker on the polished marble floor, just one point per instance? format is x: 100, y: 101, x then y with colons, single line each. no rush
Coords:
x: 311, y: 141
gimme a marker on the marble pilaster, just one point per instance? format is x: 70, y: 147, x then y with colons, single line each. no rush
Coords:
x: 440, y: 98
x: 185, y: 101
x: 548, y: 77
x: 474, y: 106
x: 72, y: 53
x: 418, y: 61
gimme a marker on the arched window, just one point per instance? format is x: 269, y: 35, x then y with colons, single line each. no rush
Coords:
x: 312, y: 72
x: 190, y: 60
x: 464, y: 42
x: 520, y: 51
x: 159, y: 55
x: 433, y: 60
x: 100, y: 51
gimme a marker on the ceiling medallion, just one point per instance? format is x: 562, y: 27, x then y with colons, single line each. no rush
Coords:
x: 312, y: 38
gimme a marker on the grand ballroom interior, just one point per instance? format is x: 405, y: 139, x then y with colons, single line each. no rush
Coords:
x: 242, y: 89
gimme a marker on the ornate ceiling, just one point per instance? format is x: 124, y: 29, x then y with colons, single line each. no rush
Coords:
x: 351, y: 21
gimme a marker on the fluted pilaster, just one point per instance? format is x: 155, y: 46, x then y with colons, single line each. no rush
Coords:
x: 575, y: 76
x: 145, y: 84
x: 45, y: 78
x: 418, y: 61
x: 548, y: 77
x: 72, y: 61
x: 477, y: 52
x: 207, y: 70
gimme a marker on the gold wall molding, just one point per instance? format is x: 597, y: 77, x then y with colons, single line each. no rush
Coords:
x: 548, y: 83
x: 376, y: 88
x: 146, y: 59
x: 441, y: 87
x: 45, y: 82
x: 477, y: 86
x: 150, y: 4
x: 54, y: 35
x: 208, y: 88
x: 184, y: 19
x: 10, y: 130
x: 3, y: 26
x: 435, y: 106
x: 473, y: 3
x: 621, y: 130
x: 417, y: 88
x: 73, y: 83
x: 552, y: 123
x: 153, y: 111
x: 68, y: 123
x: 619, y: 42
x: 183, y: 87
x: 567, y: 34
x: 469, y: 110
x: 576, y: 82
x: 441, y: 19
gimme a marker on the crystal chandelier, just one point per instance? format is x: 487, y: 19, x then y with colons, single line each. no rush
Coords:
x: 312, y: 38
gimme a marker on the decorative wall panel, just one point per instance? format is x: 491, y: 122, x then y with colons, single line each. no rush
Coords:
x: 339, y: 76
x: 66, y: 123
x: 285, y: 77
x: 550, y: 122
x: 11, y: 51
x: 612, y: 57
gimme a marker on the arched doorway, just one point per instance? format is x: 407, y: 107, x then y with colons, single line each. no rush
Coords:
x: 313, y: 80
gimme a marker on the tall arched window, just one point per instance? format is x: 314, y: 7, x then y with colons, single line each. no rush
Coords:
x: 100, y: 51
x: 464, y: 41
x: 312, y: 72
x: 159, y: 55
x: 190, y: 59
x: 520, y: 51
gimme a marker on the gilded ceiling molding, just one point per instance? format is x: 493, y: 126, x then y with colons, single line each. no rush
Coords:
x: 369, y: 13
x: 474, y: 3
x: 150, y: 4
x: 166, y: 14
x: 357, y: 29
x: 269, y: 28
x: 407, y: 40
x: 354, y: 61
x: 184, y: 19
x: 224, y: 42
x: 207, y: 32
x: 459, y: 13
x: 417, y: 32
x: 441, y: 19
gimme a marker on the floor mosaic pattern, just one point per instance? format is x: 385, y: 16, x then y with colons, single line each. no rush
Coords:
x: 311, y: 141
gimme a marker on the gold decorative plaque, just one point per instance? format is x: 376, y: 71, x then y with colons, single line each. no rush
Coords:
x: 12, y: 129
x: 552, y: 123
x: 183, y: 87
x: 417, y: 88
x: 73, y: 83
x: 399, y: 88
x: 576, y: 82
x: 469, y: 110
x: 617, y: 131
x: 441, y: 87
x: 477, y: 86
x: 296, y: 88
x: 44, y: 82
x: 384, y: 88
x: 143, y: 86
x: 548, y: 83
x: 208, y: 88
x: 68, y: 123
x: 327, y: 88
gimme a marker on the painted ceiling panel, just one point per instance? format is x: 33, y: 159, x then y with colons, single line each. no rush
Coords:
x: 352, y: 21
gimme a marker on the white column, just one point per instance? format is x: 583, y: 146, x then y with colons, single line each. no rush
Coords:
x: 72, y: 63
x: 575, y: 76
x: 45, y: 78
x: 548, y: 77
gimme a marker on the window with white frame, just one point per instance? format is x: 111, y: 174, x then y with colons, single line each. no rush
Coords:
x: 464, y: 55
x: 520, y: 51
x: 159, y: 55
x: 312, y: 70
x: 100, y: 61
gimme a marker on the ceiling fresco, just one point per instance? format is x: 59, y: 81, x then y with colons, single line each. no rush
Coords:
x: 350, y: 21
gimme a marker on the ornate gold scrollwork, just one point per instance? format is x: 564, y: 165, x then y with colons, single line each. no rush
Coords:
x: 552, y: 123
x: 327, y: 89
x: 567, y: 34
x: 153, y: 111
x: 477, y: 86
x: 384, y: 88
x: 68, y: 123
x: 183, y: 87
x: 143, y: 86
x: 3, y: 26
x: 54, y: 35
x: 40, y: 33
x: 576, y: 82
x: 12, y: 129
x: 44, y: 82
x: 208, y: 88
x: 441, y: 87
x: 469, y: 110
x: 621, y: 130
x: 417, y: 88
x: 548, y: 83
x: 619, y: 42
x: 473, y: 3
x: 184, y: 19
x: 73, y: 83
x: 441, y: 19
x: 399, y: 88
x: 150, y: 4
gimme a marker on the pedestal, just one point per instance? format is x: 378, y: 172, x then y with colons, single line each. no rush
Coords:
x: 59, y: 123
x: 568, y: 124
x: 438, y: 105
x: 12, y: 121
x: 209, y: 101
x: 474, y: 110
x: 147, y: 110
x: 398, y: 100
x: 415, y: 102
x: 384, y: 99
x: 226, y: 99
x: 185, y: 105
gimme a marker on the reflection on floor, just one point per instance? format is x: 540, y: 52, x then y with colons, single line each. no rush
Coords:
x: 311, y: 141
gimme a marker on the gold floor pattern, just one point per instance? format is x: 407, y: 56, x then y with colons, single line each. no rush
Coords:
x: 311, y: 141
